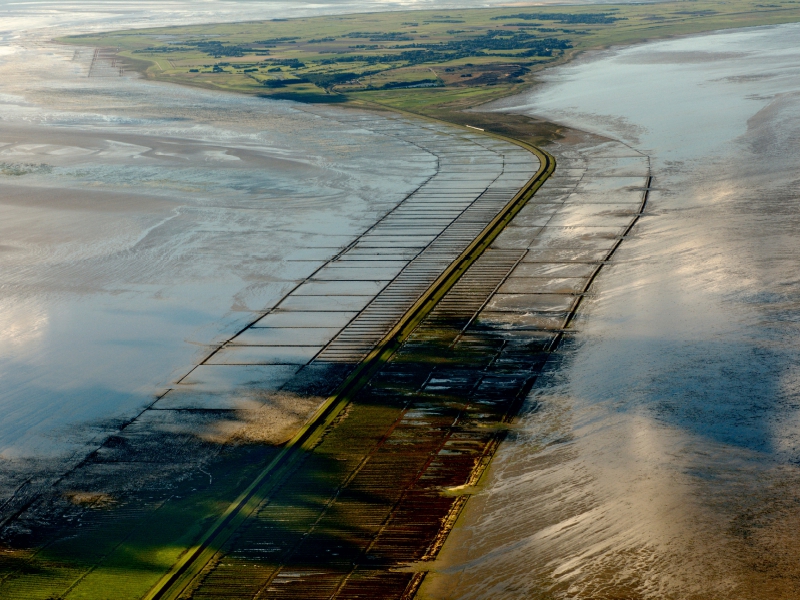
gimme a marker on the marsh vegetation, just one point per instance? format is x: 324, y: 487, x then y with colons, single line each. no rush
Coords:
x: 428, y: 62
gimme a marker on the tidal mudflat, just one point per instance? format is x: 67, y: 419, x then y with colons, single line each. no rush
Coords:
x: 142, y: 223
x: 131, y: 509
x: 658, y: 457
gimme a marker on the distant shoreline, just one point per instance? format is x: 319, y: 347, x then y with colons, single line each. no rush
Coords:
x: 433, y: 63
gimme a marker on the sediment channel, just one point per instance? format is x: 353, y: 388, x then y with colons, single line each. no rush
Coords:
x: 366, y: 507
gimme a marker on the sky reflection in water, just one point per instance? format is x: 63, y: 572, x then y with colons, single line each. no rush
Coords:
x: 659, y: 458
x: 141, y: 222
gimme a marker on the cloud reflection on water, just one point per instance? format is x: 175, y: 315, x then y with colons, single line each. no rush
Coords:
x: 660, y: 458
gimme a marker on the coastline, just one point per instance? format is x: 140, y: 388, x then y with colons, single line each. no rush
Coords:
x: 98, y: 498
x: 616, y: 26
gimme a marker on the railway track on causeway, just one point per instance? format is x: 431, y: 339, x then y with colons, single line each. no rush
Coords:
x: 417, y: 342
x: 189, y: 575
x: 363, y: 499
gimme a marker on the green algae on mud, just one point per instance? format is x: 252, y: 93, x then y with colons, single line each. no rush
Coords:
x: 427, y: 62
x: 132, y: 539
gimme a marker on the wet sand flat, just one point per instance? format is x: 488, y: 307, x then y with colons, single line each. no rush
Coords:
x: 194, y: 243
x: 142, y: 224
x: 144, y: 242
x: 656, y: 457
x: 370, y: 496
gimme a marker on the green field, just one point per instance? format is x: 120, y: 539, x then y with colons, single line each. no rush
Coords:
x: 427, y: 62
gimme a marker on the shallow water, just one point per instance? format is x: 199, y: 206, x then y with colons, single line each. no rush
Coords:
x: 129, y: 247
x: 659, y: 457
x: 142, y: 222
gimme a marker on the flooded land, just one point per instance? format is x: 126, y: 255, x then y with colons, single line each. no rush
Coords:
x: 188, y: 274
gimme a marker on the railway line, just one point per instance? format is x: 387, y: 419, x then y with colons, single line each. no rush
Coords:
x: 421, y: 339
x: 355, y: 341
x: 420, y: 432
